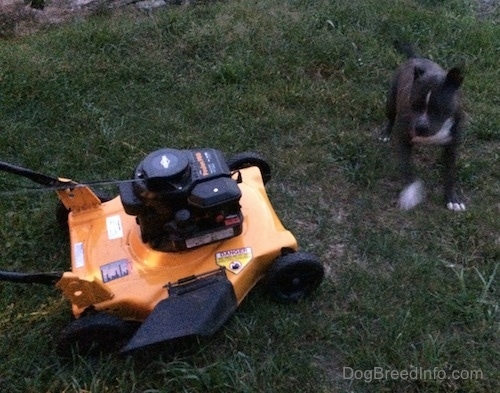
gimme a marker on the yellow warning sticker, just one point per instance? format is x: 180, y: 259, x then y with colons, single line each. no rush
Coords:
x: 234, y: 260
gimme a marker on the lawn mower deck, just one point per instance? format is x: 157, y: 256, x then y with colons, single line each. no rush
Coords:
x: 175, y: 253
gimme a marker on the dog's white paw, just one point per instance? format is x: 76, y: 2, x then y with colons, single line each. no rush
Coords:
x: 384, y: 138
x: 456, y: 207
x: 412, y: 195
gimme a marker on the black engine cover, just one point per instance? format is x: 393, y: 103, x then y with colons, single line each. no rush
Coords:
x: 183, y: 199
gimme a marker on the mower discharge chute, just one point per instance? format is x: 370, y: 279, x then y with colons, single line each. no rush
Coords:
x: 174, y: 254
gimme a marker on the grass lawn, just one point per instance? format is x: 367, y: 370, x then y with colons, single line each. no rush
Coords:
x: 303, y: 83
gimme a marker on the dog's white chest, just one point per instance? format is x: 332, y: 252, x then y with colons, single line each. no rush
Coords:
x: 442, y: 137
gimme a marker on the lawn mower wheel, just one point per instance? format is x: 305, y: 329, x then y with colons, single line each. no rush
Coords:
x: 293, y: 276
x: 95, y: 333
x: 246, y: 159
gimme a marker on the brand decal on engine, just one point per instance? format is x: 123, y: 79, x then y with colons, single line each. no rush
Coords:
x: 202, y: 164
x: 234, y: 260
x: 165, y: 162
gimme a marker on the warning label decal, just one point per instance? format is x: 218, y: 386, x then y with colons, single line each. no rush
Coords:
x: 234, y: 260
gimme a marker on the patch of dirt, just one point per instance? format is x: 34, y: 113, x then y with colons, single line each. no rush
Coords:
x: 486, y: 8
x: 21, y: 17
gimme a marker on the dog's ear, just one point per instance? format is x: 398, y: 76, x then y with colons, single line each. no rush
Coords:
x: 454, y: 78
x: 417, y: 73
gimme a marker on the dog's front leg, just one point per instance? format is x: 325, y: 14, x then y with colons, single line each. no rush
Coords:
x: 453, y: 202
x: 413, y: 193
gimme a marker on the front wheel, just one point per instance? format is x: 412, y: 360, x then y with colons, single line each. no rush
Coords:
x: 95, y: 333
x: 294, y: 276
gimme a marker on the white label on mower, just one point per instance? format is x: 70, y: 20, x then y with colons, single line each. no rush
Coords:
x: 209, y: 238
x: 114, y: 227
x: 234, y: 260
x: 78, y: 255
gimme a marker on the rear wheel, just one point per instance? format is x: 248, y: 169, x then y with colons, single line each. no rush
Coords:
x: 95, y: 333
x: 247, y: 159
x: 294, y: 276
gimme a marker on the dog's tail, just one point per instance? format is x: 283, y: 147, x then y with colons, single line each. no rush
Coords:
x: 407, y: 49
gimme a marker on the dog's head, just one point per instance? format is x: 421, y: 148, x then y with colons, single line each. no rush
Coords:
x: 435, y: 105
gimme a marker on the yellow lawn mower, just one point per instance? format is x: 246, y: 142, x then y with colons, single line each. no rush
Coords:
x: 173, y: 255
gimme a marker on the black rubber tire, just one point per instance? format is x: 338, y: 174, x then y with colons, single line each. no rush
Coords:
x: 95, y: 333
x: 247, y: 159
x: 294, y: 276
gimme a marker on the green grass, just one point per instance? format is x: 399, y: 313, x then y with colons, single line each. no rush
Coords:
x: 303, y: 83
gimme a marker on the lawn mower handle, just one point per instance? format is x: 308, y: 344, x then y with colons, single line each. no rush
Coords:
x: 31, y: 278
x: 39, y: 178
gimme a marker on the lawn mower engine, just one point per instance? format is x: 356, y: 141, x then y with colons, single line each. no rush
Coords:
x: 183, y: 199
